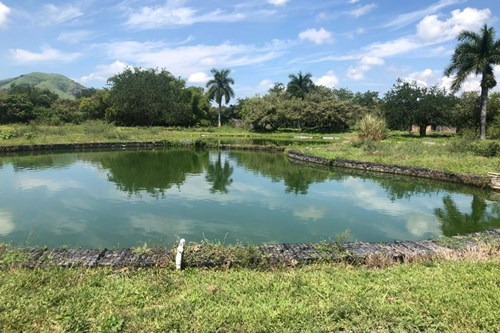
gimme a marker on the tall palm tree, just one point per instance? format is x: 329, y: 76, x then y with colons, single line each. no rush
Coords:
x: 220, y: 87
x: 300, y: 84
x: 476, y: 53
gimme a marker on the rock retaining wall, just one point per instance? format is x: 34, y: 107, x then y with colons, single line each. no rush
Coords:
x: 478, y: 181
x: 83, y: 146
x: 263, y: 256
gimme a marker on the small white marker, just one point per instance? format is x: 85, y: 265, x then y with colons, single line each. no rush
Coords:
x: 178, y: 257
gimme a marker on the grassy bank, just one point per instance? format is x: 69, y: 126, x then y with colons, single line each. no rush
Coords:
x: 437, y: 152
x: 440, y: 296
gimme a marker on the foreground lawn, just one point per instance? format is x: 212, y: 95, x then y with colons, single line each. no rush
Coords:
x: 438, y: 152
x: 453, y: 296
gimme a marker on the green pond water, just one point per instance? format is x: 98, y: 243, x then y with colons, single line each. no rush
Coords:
x: 129, y: 198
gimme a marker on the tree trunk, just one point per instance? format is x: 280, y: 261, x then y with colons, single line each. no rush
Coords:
x: 220, y: 111
x: 484, y: 102
x: 423, y: 130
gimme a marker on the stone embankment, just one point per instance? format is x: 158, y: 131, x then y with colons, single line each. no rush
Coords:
x: 478, y: 181
x: 262, y: 256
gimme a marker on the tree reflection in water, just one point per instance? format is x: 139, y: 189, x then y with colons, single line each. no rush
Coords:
x: 219, y: 175
x: 454, y: 222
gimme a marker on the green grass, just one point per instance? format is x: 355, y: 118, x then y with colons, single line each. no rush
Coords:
x: 452, y: 296
x: 438, y: 152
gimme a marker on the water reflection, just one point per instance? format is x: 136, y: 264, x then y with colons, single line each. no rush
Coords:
x: 149, y: 171
x: 481, y: 217
x: 130, y: 197
x: 219, y: 175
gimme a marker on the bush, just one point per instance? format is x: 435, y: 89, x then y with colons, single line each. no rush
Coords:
x: 494, y: 129
x: 372, y: 128
x: 486, y: 149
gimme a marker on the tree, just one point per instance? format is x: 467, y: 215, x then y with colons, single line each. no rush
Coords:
x: 400, y: 102
x: 220, y: 87
x: 94, y: 106
x: 147, y: 97
x: 16, y: 109
x: 407, y: 104
x: 476, y: 53
x: 300, y: 84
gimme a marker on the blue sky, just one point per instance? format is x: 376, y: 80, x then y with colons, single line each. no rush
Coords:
x: 358, y: 44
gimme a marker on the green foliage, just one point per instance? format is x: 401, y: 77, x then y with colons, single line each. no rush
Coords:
x: 485, y: 148
x: 57, y: 84
x: 94, y: 105
x: 407, y: 104
x: 147, y: 97
x: 320, y: 110
x: 494, y: 129
x: 476, y: 53
x: 8, y: 134
x: 62, y: 111
x: 16, y: 109
x: 220, y: 88
x: 372, y: 128
x: 300, y: 85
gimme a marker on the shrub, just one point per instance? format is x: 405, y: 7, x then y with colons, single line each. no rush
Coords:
x: 486, y: 149
x: 494, y: 129
x: 372, y: 128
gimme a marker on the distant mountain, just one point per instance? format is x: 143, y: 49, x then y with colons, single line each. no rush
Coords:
x: 57, y: 83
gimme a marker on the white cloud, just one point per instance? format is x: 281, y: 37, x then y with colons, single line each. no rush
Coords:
x: 353, y: 1
x: 277, y: 2
x: 310, y: 213
x: 186, y: 60
x: 6, y: 222
x: 266, y: 84
x: 173, y: 13
x: 392, y: 48
x: 366, y: 63
x: 316, y: 36
x: 51, y: 185
x: 371, y: 61
x: 198, y: 77
x: 432, y: 29
x: 425, y: 78
x: 47, y: 54
x: 4, y: 13
x: 329, y: 80
x: 104, y: 72
x: 56, y: 15
x: 472, y: 83
x: 75, y: 37
x: 362, y: 10
x: 408, y: 18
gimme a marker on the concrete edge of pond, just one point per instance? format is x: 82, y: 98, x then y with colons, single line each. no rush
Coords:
x: 265, y: 256
x: 485, y: 182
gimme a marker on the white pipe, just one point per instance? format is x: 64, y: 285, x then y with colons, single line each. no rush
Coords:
x: 178, y: 257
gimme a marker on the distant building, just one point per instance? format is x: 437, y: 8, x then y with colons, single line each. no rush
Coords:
x: 436, y: 129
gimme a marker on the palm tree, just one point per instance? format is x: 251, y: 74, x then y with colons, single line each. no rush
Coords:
x: 220, y: 87
x: 300, y: 84
x: 477, y: 53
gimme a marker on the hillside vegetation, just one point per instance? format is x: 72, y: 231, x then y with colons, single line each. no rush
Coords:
x: 56, y: 83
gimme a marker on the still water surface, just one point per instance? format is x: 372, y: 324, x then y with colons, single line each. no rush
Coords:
x: 128, y: 198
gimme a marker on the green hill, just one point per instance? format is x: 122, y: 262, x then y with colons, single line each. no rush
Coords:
x: 57, y: 83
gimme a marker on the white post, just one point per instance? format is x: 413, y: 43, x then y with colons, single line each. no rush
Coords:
x: 178, y: 257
